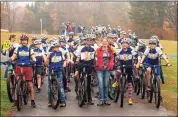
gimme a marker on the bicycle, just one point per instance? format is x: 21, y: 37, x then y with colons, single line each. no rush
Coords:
x: 22, y: 91
x: 142, y: 82
x: 121, y: 88
x: 10, y: 81
x: 82, y: 88
x: 54, y: 89
x: 155, y: 86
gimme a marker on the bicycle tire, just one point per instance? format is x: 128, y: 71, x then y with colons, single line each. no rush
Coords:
x: 25, y: 93
x: 143, y: 86
x: 53, y: 90
x: 123, y: 83
x: 110, y: 88
x: 157, y: 92
x: 19, y: 94
x: 117, y: 94
x: 81, y: 92
x: 10, y: 87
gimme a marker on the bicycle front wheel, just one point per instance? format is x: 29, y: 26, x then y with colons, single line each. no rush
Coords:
x: 123, y: 85
x: 81, y: 92
x: 157, y: 92
x: 11, y: 87
x: 54, y: 93
x: 19, y: 94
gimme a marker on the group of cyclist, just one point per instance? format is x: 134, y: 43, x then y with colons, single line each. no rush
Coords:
x: 66, y: 56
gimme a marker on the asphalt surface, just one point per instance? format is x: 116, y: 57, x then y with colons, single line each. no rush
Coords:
x: 139, y: 108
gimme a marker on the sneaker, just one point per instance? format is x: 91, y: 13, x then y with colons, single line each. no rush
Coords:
x: 100, y: 103
x: 107, y: 102
x: 63, y: 104
x: 33, y: 104
x: 130, y: 102
x: 38, y: 90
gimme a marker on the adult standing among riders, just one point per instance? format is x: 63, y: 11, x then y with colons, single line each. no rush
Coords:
x: 122, y: 36
x: 10, y: 51
x: 44, y: 43
x: 104, y: 63
x: 24, y: 56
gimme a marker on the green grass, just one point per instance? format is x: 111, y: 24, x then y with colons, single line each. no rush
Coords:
x: 169, y: 89
x: 6, y: 106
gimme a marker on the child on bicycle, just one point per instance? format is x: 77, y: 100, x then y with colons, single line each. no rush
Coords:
x: 56, y: 61
x: 24, y: 56
x: 40, y: 56
x: 125, y: 57
x: 152, y: 54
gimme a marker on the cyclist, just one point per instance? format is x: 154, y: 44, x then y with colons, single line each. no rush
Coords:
x: 44, y: 43
x: 33, y: 40
x: 71, y: 35
x: 86, y: 56
x: 10, y: 51
x: 56, y: 61
x: 122, y: 36
x: 23, y: 56
x: 64, y: 49
x: 125, y: 56
x: 130, y: 34
x: 40, y: 56
x: 152, y: 54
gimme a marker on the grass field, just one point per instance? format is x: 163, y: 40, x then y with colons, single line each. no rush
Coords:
x: 6, y: 106
x: 169, y: 89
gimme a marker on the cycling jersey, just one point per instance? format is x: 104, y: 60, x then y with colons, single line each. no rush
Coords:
x: 87, y: 55
x: 152, y: 55
x: 126, y: 57
x: 44, y: 45
x: 39, y: 56
x: 23, y: 55
x: 56, y: 61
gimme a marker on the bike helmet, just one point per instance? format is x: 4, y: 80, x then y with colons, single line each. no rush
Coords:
x: 43, y: 37
x: 62, y: 39
x: 34, y: 37
x: 37, y: 42
x: 55, y: 44
x: 125, y: 40
x: 155, y: 37
x: 152, y: 40
x: 141, y: 42
x: 123, y: 32
x: 24, y: 37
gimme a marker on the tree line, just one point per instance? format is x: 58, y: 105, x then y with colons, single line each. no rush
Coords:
x: 144, y: 18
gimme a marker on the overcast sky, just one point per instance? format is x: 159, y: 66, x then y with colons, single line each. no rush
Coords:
x: 23, y: 3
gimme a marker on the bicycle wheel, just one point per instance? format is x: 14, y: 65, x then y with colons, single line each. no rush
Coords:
x: 19, y: 94
x: 150, y: 94
x: 142, y: 86
x: 118, y: 91
x: 25, y: 92
x: 110, y: 88
x: 81, y: 92
x: 157, y: 92
x: 54, y: 93
x: 123, y: 84
x: 138, y: 85
x: 11, y: 87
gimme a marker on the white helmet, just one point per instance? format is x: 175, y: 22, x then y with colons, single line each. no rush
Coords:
x: 37, y: 42
x: 141, y: 42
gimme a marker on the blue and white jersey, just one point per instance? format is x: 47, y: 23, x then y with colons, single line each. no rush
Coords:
x: 56, y: 61
x: 153, y: 55
x: 87, y: 55
x: 23, y: 55
x: 39, y: 53
x: 126, y: 56
x: 45, y: 46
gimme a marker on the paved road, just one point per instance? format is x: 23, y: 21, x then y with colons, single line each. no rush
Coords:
x: 140, y: 107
